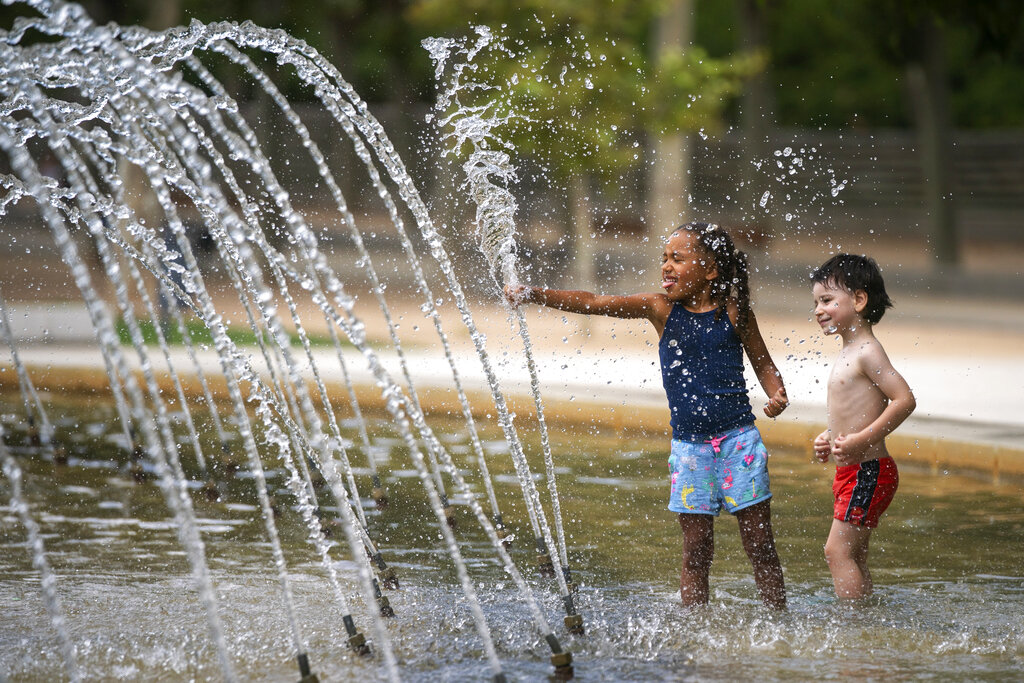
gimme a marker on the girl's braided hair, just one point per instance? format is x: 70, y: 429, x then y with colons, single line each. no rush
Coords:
x: 733, y: 270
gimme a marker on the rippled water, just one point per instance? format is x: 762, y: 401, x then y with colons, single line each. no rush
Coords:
x: 947, y: 562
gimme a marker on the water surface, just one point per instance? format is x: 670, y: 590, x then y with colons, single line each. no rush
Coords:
x: 947, y: 562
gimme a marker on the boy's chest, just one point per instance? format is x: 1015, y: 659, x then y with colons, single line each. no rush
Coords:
x: 846, y: 378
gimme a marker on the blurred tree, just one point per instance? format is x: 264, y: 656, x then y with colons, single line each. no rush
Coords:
x: 843, y: 64
x: 831, y: 65
x: 372, y: 43
x: 756, y: 117
x: 587, y: 85
x: 934, y: 65
x: 671, y: 154
x: 917, y: 36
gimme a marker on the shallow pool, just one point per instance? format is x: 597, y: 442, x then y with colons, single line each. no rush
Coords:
x: 947, y: 562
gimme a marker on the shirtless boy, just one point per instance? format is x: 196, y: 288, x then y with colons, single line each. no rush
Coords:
x: 867, y: 400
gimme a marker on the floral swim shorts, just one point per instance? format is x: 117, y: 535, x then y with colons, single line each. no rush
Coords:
x: 727, y: 471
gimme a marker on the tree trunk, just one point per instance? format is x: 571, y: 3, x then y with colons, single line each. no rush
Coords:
x: 757, y: 119
x: 163, y: 14
x: 583, y: 272
x: 929, y: 94
x: 670, y: 172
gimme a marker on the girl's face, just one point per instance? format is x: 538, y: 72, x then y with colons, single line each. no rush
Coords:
x: 837, y: 309
x: 686, y: 270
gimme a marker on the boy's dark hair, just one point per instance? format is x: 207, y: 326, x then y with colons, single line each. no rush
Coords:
x: 733, y: 271
x: 854, y: 272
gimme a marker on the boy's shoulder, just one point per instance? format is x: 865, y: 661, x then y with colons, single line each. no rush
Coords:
x: 870, y: 354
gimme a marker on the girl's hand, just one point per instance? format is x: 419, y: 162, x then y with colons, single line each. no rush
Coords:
x: 517, y: 294
x: 777, y: 403
x: 849, y: 449
x: 822, y: 447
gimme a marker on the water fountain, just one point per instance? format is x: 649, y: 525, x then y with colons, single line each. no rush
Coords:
x: 131, y: 116
x: 200, y: 515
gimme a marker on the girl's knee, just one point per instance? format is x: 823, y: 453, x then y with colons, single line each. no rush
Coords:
x: 697, y: 563
x: 761, y: 551
x: 759, y: 543
x: 697, y: 557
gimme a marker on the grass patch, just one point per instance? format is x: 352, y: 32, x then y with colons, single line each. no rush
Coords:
x: 201, y: 335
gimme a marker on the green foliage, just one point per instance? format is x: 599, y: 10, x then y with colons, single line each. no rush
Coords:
x: 580, y: 83
x: 830, y: 63
x: 844, y: 63
x: 829, y: 67
x: 201, y: 335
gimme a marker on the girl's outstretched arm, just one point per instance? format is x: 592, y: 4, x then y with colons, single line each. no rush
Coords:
x: 653, y: 307
x: 764, y: 367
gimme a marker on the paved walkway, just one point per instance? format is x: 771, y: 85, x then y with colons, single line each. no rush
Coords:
x: 964, y: 360
x: 961, y: 350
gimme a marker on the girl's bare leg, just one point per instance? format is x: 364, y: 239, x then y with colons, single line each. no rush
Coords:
x: 759, y: 542
x: 698, y: 551
x: 846, y: 552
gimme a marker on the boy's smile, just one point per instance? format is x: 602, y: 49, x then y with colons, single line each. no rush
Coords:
x: 835, y: 309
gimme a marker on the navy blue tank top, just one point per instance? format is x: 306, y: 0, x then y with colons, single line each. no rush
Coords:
x: 702, y: 371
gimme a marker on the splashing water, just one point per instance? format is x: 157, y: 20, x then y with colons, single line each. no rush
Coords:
x: 488, y: 174
x: 150, y: 142
x: 133, y: 126
x: 489, y: 170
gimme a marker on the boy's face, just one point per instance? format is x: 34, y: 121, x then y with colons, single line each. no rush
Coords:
x: 685, y: 268
x: 837, y: 309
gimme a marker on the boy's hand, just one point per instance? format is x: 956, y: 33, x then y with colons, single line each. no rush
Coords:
x: 822, y: 447
x: 849, y: 449
x: 777, y: 403
x: 517, y: 294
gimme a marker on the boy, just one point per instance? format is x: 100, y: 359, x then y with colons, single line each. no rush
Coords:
x: 867, y: 400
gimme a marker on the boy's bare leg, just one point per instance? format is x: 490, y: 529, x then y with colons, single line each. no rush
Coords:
x: 698, y: 551
x: 759, y: 542
x: 846, y: 552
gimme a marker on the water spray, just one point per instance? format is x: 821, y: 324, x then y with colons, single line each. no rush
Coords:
x: 175, y: 134
x: 489, y: 171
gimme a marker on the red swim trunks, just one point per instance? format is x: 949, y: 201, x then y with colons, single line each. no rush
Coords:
x: 864, y: 491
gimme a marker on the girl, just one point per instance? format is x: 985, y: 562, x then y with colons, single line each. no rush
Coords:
x: 704, y: 322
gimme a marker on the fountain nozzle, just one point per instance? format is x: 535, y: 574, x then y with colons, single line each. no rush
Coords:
x: 544, y: 563
x: 356, y: 640
x: 327, y: 525
x: 304, y: 671
x: 387, y: 574
x: 382, y: 602
x: 449, y: 512
x: 573, y: 620
x: 573, y: 588
x: 137, y: 473
x: 229, y: 462
x: 34, y: 439
x: 560, y: 659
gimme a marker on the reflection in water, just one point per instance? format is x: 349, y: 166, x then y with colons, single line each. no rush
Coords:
x: 947, y: 562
